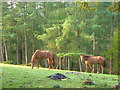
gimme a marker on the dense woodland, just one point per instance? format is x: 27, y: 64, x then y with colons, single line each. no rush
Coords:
x: 66, y: 28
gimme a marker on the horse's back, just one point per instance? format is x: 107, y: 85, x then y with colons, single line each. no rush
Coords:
x: 96, y: 59
x: 49, y: 54
x: 46, y: 54
x: 40, y: 54
x: 93, y: 60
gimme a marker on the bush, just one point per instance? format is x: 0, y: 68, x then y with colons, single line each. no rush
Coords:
x: 8, y: 62
x: 29, y: 64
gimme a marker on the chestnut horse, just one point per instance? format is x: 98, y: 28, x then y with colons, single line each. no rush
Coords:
x: 42, y: 55
x: 91, y: 60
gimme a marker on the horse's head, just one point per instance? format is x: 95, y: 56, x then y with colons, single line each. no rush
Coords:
x: 83, y: 57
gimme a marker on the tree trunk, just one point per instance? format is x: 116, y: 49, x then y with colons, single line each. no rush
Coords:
x: 119, y: 36
x: 65, y: 62
x: 23, y: 53
x: 68, y: 63
x: 64, y: 65
x: 94, y: 44
x: 111, y: 66
x: 80, y: 65
x: 2, y: 52
x: 26, y: 48
x: 33, y: 49
x: 17, y: 54
x: 60, y: 63
x: 25, y: 34
x: 6, y: 52
x: 111, y: 36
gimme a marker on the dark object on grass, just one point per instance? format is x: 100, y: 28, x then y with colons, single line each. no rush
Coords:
x: 114, y: 79
x: 88, y: 82
x: 90, y: 74
x: 75, y: 73
x: 57, y: 76
x: 116, y: 85
x: 57, y: 86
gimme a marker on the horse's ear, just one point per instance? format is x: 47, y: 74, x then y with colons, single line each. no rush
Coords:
x: 81, y: 54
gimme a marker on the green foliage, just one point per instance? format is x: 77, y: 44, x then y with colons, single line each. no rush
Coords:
x: 112, y: 53
x: 77, y: 55
x: 87, y: 6
x: 114, y: 7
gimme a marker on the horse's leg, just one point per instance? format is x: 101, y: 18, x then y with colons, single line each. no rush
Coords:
x: 98, y: 69
x: 38, y: 64
x: 102, y: 69
x: 86, y: 68
x: 92, y: 69
x: 86, y: 64
x: 32, y: 64
x: 52, y: 65
x: 48, y: 63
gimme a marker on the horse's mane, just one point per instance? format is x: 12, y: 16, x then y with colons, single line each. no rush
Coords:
x: 86, y: 56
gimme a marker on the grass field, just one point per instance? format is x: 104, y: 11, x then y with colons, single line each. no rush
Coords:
x: 17, y: 76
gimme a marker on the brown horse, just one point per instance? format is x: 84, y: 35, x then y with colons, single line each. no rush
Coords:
x: 41, y: 55
x: 91, y: 60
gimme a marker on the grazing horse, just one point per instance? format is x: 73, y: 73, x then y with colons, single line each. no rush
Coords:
x: 42, y: 55
x: 91, y: 60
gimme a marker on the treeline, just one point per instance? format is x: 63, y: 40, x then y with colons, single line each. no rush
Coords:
x: 61, y: 27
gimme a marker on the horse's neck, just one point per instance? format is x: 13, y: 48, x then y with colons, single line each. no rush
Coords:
x: 86, y: 57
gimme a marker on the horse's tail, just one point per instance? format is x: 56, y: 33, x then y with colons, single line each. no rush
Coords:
x: 104, y: 64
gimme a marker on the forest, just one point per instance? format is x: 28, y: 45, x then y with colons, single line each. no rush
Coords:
x: 66, y: 28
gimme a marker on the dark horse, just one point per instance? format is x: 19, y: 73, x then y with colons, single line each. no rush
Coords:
x: 91, y: 60
x: 41, y: 55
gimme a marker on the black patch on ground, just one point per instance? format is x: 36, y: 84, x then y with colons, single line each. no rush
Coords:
x: 57, y: 76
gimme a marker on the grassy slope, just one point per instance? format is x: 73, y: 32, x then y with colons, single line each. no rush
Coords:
x: 16, y: 76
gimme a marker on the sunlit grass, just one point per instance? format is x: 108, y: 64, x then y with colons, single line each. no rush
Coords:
x: 17, y: 76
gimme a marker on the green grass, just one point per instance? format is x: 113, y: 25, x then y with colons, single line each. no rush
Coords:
x: 17, y: 76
